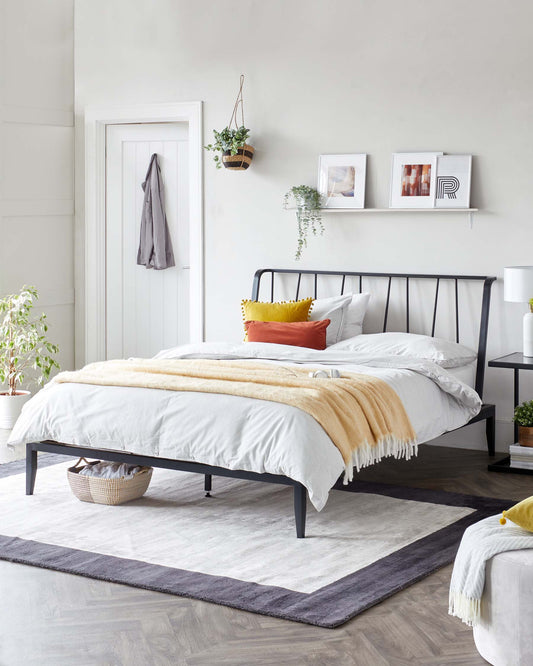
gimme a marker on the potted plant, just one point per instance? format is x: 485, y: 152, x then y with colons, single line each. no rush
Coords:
x: 230, y: 147
x: 308, y: 202
x: 523, y: 416
x: 23, y: 346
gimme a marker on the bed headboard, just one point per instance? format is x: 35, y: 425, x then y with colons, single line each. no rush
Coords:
x: 363, y: 278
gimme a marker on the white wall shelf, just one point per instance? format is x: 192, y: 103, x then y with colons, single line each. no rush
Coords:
x: 396, y: 210
x: 469, y: 211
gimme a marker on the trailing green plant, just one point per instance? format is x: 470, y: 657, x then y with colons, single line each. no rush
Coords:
x: 523, y: 414
x: 308, y: 202
x: 530, y: 304
x: 23, y: 342
x: 228, y: 140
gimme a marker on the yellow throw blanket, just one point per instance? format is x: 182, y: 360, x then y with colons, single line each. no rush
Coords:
x: 363, y: 415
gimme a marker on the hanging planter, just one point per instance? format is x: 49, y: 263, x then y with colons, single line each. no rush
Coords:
x: 230, y: 147
x: 240, y: 160
x: 308, y: 202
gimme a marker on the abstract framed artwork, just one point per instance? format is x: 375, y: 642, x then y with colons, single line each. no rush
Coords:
x: 341, y: 180
x: 453, y: 181
x: 413, y: 180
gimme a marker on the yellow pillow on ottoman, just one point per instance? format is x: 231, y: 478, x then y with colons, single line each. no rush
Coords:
x: 521, y: 514
x: 284, y: 311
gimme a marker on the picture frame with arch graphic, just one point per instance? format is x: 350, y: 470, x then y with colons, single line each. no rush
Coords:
x: 454, y: 174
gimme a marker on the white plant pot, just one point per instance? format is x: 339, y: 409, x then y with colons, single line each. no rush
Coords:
x: 10, y: 408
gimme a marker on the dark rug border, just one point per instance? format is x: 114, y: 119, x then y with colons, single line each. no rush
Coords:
x: 328, y: 607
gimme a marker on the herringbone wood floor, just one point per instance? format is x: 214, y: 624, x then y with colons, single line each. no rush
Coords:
x: 53, y: 619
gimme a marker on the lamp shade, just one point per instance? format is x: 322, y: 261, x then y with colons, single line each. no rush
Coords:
x: 518, y: 284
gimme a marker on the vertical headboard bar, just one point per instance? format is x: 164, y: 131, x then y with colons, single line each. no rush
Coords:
x: 387, y: 305
x: 435, y: 308
x: 316, y: 285
x: 342, y: 284
x: 456, y: 311
x: 483, y: 331
x: 272, y: 288
x: 360, y: 284
x: 298, y: 286
x: 407, y: 305
x: 256, y: 285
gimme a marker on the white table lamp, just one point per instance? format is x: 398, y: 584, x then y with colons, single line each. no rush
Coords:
x: 518, y: 288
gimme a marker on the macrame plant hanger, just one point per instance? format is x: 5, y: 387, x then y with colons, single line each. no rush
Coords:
x: 233, y: 119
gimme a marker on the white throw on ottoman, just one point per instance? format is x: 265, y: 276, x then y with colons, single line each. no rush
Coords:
x: 504, y: 635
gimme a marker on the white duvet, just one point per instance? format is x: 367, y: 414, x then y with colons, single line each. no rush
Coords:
x: 234, y: 432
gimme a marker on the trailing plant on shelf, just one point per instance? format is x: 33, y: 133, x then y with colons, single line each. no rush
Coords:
x: 308, y: 202
x: 23, y: 346
x: 229, y: 146
x: 523, y: 414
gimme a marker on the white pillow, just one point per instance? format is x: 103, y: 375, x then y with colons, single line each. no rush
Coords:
x: 333, y: 308
x: 445, y: 353
x: 346, y: 313
x: 354, y: 316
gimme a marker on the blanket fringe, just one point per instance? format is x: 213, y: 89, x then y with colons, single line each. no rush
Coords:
x: 465, y: 608
x: 368, y: 454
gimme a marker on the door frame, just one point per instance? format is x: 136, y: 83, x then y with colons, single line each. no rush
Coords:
x: 96, y: 121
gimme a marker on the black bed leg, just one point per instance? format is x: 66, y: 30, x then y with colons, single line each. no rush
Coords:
x: 31, y: 468
x: 208, y: 479
x: 300, y: 509
x: 490, y: 430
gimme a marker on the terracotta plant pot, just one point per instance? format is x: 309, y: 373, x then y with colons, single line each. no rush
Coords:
x: 11, y: 406
x: 525, y: 436
x: 241, y: 160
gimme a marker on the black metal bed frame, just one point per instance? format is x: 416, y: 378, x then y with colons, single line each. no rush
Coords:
x: 487, y: 412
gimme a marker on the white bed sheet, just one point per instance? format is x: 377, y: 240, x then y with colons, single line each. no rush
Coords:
x: 465, y: 373
x: 235, y: 432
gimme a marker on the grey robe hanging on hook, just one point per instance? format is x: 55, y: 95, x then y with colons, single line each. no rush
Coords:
x: 155, y: 246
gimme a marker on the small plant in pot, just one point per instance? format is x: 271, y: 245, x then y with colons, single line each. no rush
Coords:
x: 230, y: 147
x: 308, y: 202
x: 523, y: 416
x: 23, y: 347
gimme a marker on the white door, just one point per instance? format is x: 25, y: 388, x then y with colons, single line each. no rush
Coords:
x: 146, y: 309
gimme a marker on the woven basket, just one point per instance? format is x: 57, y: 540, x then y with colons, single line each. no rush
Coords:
x: 107, y: 491
x: 241, y: 160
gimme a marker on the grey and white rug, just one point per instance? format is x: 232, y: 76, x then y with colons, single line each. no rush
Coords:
x: 238, y: 548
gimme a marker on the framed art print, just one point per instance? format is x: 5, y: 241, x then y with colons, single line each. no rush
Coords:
x: 453, y: 181
x: 413, y: 180
x: 341, y: 180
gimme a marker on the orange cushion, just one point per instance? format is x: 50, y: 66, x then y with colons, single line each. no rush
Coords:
x: 310, y: 334
x: 282, y: 311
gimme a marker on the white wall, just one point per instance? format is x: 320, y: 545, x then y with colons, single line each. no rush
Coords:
x: 349, y: 76
x: 37, y: 159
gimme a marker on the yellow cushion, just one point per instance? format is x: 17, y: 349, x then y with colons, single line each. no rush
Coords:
x: 521, y: 514
x: 284, y: 311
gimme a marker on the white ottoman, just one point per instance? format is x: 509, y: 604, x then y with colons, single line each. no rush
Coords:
x: 504, y: 637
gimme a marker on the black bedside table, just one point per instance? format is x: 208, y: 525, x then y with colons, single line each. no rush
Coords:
x: 516, y: 361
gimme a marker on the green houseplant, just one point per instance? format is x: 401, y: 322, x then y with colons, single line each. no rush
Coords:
x: 523, y: 416
x: 229, y: 146
x: 228, y: 143
x: 23, y: 347
x: 308, y: 202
